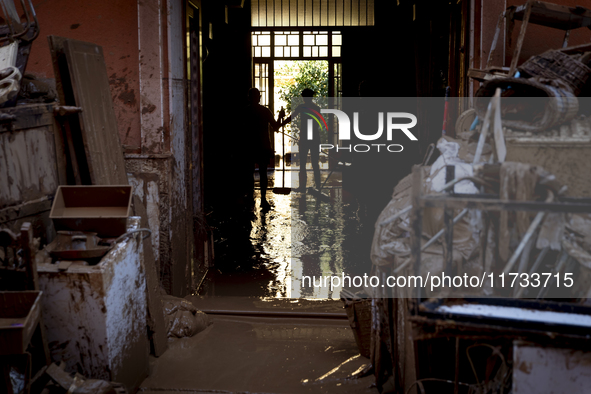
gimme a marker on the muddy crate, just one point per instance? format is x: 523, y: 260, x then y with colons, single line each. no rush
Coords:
x: 19, y: 315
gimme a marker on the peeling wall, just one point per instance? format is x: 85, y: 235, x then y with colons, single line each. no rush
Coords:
x: 180, y: 213
x: 151, y: 67
x: 145, y: 186
x: 144, y: 47
x: 151, y: 177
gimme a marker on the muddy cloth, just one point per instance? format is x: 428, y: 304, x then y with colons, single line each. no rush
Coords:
x: 92, y: 386
x: 576, y: 242
x: 34, y: 90
x: 570, y: 232
x: 577, y: 238
x: 182, y: 318
x: 391, y: 243
x: 392, y: 353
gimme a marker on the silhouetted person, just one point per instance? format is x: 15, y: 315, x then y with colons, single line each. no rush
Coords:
x: 258, y: 118
x: 306, y: 111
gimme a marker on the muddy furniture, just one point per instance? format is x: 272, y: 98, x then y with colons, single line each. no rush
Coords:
x: 20, y: 319
x: 548, y: 343
x: 17, y: 266
x: 496, y: 324
x: 22, y: 335
x: 537, y: 12
x: 100, y: 209
x: 96, y: 314
x: 30, y: 168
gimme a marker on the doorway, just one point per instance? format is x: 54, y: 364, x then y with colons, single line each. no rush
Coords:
x: 287, y: 61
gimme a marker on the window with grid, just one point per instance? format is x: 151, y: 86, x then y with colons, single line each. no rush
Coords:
x: 296, y: 44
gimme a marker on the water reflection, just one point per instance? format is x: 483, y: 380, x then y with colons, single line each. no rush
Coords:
x: 267, y: 253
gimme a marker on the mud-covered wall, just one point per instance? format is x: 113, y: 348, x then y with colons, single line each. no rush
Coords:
x: 112, y: 24
x: 143, y: 44
x: 151, y: 177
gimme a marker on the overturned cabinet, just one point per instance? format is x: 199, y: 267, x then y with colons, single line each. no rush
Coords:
x: 96, y: 314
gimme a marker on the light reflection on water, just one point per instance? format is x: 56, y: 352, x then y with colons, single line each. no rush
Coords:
x: 266, y: 254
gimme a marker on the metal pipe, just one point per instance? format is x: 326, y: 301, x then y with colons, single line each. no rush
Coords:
x: 396, y: 216
x: 445, y: 187
x: 130, y: 232
x: 479, y: 181
x: 37, y: 28
x: 528, y: 234
x: 309, y: 315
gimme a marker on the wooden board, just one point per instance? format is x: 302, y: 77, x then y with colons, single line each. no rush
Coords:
x: 28, y: 171
x: 93, y: 140
x: 68, y: 135
x: 155, y: 313
x: 90, y: 84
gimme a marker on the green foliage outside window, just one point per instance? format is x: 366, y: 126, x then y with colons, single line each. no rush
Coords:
x: 293, y: 77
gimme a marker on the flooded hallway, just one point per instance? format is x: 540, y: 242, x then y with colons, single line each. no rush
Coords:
x: 295, y: 196
x: 273, y: 335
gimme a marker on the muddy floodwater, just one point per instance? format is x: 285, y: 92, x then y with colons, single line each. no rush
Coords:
x: 305, y: 235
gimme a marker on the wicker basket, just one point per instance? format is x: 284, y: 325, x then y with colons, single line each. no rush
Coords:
x: 532, y: 106
x: 359, y: 314
x: 558, y: 65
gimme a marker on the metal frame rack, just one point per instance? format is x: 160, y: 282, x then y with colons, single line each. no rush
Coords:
x: 430, y: 323
x: 484, y: 202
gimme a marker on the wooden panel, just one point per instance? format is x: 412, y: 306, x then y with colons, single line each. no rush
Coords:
x: 27, y: 117
x: 98, y: 124
x: 32, y: 117
x: 27, y: 165
x: 68, y: 136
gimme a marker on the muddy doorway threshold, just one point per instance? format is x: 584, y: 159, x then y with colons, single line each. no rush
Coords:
x: 270, y: 307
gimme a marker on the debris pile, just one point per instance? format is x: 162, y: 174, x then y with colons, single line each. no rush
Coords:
x: 55, y: 380
x: 182, y: 318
